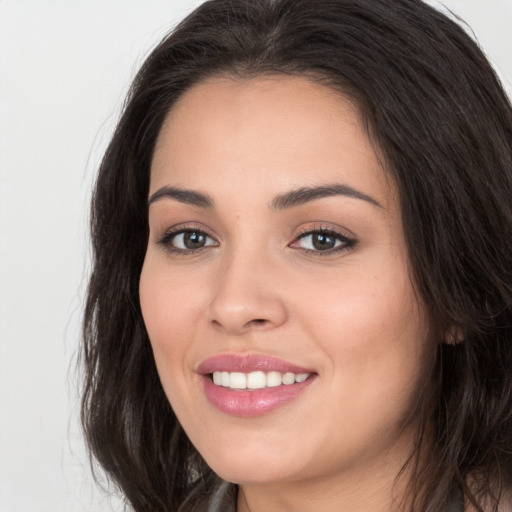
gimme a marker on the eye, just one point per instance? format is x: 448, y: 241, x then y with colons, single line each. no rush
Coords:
x: 323, y: 240
x: 187, y: 240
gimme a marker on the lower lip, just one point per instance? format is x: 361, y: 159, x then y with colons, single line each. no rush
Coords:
x: 250, y: 403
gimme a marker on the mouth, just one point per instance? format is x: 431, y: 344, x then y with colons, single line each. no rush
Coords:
x: 252, y: 385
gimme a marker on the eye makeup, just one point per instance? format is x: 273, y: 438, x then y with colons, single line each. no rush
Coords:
x: 320, y: 240
x: 323, y: 241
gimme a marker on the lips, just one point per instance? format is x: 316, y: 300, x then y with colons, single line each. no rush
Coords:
x: 247, y: 363
x: 252, y: 385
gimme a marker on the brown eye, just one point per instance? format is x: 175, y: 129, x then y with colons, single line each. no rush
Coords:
x: 323, y: 241
x: 194, y: 240
x: 189, y: 240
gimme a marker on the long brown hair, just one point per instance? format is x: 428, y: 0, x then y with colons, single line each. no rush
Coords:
x: 439, y: 117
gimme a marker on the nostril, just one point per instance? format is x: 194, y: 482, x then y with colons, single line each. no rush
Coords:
x: 258, y: 321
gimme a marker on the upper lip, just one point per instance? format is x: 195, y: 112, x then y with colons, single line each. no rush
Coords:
x: 247, y: 363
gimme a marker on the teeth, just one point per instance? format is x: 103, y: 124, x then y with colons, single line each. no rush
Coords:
x: 237, y: 380
x: 288, y: 378
x: 274, y: 379
x: 257, y: 380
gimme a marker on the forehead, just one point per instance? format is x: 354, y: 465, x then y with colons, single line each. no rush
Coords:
x: 285, y: 131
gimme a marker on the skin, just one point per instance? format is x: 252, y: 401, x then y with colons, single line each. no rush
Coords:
x: 352, y: 314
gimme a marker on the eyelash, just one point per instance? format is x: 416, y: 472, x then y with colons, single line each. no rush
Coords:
x: 345, y: 245
x: 169, y: 235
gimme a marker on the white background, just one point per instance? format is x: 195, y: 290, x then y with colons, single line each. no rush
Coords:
x: 65, y: 67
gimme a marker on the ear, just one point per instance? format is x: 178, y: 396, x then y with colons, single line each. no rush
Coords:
x: 453, y: 336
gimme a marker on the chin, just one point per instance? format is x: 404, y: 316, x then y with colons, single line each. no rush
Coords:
x: 250, y: 473
x: 258, y: 466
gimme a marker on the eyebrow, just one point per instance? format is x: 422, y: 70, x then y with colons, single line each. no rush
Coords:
x: 290, y: 199
x: 183, y: 196
x: 304, y: 195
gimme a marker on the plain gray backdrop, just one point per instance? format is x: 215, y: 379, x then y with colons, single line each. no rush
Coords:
x: 65, y: 67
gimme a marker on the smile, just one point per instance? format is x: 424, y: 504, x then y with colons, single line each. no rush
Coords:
x: 252, y: 385
x: 256, y: 380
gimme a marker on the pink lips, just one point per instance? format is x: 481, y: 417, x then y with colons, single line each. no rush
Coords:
x: 256, y: 402
x: 248, y: 363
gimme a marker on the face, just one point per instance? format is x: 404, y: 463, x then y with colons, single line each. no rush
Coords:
x: 276, y: 288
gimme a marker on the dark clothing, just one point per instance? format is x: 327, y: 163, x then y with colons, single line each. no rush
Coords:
x: 224, y: 500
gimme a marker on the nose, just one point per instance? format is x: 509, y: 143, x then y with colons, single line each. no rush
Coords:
x: 247, y: 296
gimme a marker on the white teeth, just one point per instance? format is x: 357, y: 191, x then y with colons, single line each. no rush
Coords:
x: 288, y: 378
x: 257, y: 380
x: 237, y: 380
x: 273, y: 379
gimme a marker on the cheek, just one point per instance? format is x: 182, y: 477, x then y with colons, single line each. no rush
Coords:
x: 170, y: 304
x: 374, y: 331
x: 375, y: 336
x: 359, y: 308
x: 168, y: 309
x: 168, y: 299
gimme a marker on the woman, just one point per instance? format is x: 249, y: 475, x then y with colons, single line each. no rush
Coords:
x: 301, y: 294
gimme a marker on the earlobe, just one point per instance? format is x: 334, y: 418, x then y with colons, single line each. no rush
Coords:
x: 453, y: 335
